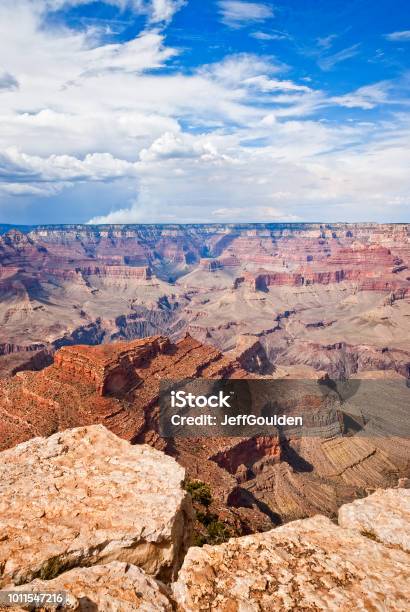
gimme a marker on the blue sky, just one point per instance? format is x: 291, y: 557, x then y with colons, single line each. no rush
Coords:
x: 213, y: 111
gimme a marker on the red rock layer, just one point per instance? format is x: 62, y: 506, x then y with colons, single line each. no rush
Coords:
x: 372, y: 268
x: 112, y: 384
x: 112, y: 271
x: 375, y: 257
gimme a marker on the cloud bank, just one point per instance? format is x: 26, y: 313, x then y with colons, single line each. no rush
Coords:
x: 241, y: 138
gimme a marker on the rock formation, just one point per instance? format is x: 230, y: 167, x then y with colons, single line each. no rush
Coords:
x: 310, y: 564
x: 117, y: 385
x: 114, y: 587
x: 85, y: 497
x: 87, y: 514
x: 250, y: 353
x: 384, y: 516
x: 338, y: 283
x: 256, y: 483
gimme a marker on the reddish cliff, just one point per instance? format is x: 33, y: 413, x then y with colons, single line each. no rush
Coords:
x: 88, y: 385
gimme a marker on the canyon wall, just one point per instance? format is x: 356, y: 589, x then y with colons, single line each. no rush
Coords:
x: 62, y: 285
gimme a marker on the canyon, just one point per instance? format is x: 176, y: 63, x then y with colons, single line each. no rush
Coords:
x: 256, y: 483
x: 94, y: 318
x: 314, y: 296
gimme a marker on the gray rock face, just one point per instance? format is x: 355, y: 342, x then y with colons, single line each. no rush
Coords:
x: 384, y: 515
x: 85, y: 497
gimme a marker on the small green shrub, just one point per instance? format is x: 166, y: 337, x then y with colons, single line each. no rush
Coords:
x: 211, y: 530
x: 199, y: 491
x: 217, y: 533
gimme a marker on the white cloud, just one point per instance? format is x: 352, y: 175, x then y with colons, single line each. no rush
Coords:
x: 329, y: 61
x: 263, y: 214
x: 237, y: 68
x: 144, y: 51
x: 124, y: 215
x: 263, y: 83
x: 238, y: 139
x: 51, y: 174
x: 164, y: 10
x: 365, y: 97
x: 237, y: 14
x: 402, y: 36
x: 171, y: 146
x: 303, y: 170
x: 274, y: 35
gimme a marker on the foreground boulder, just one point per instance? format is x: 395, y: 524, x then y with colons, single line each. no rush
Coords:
x: 384, y: 515
x: 116, y: 587
x: 309, y: 564
x: 85, y: 497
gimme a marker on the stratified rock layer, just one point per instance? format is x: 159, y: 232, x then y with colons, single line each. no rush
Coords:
x: 115, y: 587
x: 303, y: 289
x: 255, y: 483
x: 385, y: 516
x: 306, y: 565
x: 86, y: 497
x: 116, y: 385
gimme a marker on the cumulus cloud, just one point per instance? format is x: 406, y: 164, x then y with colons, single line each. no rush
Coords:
x: 121, y: 216
x: 237, y: 14
x: 57, y: 171
x: 303, y: 170
x: 242, y: 138
x: 171, y: 146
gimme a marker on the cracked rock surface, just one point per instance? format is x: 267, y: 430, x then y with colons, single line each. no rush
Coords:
x: 85, y: 497
x: 384, y: 515
x: 310, y: 564
x: 87, y: 513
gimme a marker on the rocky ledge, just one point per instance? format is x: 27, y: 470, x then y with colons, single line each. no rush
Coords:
x: 383, y: 516
x: 86, y: 497
x: 311, y: 564
x: 86, y: 513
